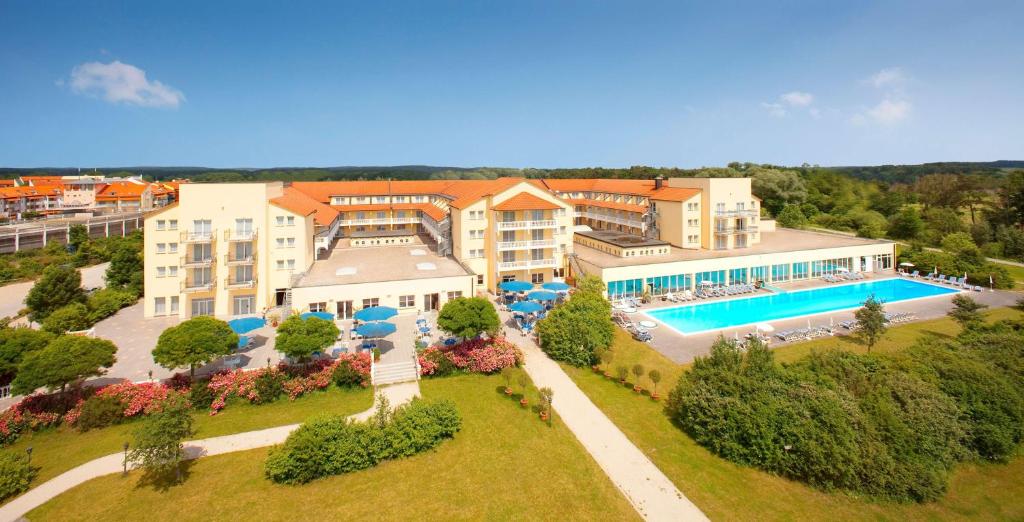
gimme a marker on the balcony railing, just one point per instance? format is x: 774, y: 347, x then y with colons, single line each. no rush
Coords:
x: 232, y: 283
x: 523, y: 264
x: 191, y: 262
x: 235, y: 260
x: 724, y: 214
x: 239, y: 235
x: 608, y: 218
x: 526, y: 245
x: 190, y: 286
x: 520, y: 225
x: 381, y: 221
x: 197, y: 237
x: 749, y: 229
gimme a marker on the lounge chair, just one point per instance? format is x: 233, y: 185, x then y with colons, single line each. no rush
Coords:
x: 941, y: 278
x: 915, y: 273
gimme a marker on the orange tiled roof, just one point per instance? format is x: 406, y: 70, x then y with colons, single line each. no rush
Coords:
x: 300, y: 203
x: 121, y: 190
x: 525, y: 201
x: 462, y: 192
x: 637, y: 187
x: 628, y: 207
x: 674, y: 194
x: 6, y: 182
x: 28, y: 192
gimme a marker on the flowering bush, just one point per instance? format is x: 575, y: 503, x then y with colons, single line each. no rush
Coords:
x: 474, y: 356
x: 36, y: 412
x: 134, y: 399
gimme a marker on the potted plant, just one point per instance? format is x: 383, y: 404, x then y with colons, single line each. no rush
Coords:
x: 274, y: 319
x: 655, y: 377
x: 606, y: 359
x: 524, y: 381
x: 376, y: 355
x: 622, y: 372
x: 546, y: 397
x: 506, y: 374
x: 638, y: 371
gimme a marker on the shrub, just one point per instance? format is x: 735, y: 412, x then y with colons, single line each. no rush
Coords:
x: 474, y: 356
x: 331, y: 445
x: 15, y: 474
x: 200, y: 395
x: 268, y: 387
x: 106, y: 302
x: 99, y: 412
x: 68, y: 318
x: 134, y: 399
x: 346, y: 375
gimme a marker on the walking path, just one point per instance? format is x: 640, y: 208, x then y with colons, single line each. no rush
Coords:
x: 652, y: 494
x: 397, y: 394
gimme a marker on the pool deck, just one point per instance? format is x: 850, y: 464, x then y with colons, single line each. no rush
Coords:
x: 684, y: 348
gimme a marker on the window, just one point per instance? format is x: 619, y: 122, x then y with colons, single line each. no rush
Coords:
x: 280, y: 264
x: 454, y: 295
x: 692, y: 238
x: 780, y: 272
x: 536, y: 215
x: 406, y: 301
x: 159, y: 306
x: 172, y: 248
x: 172, y: 224
x: 318, y: 307
x: 479, y: 279
x: 537, y: 254
x: 202, y: 307
x: 476, y: 214
x: 561, y: 231
x: 373, y: 301
x: 476, y: 234
x: 508, y: 216
x: 508, y: 256
x: 161, y: 271
x: 243, y: 304
x: 507, y: 278
x: 243, y: 273
x: 692, y: 222
x: 380, y: 199
x: 172, y: 271
x: 720, y: 207
x: 475, y: 253
x: 202, y: 227
x: 161, y: 248
x: 161, y: 225
x: 537, y: 278
x: 243, y: 227
x: 537, y: 234
x: 737, y: 275
x: 280, y: 242
x: 800, y: 270
x: 280, y: 221
x: 290, y: 220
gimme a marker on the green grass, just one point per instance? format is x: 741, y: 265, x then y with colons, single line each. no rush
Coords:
x: 1016, y: 272
x: 504, y: 464
x: 728, y: 491
x: 58, y: 450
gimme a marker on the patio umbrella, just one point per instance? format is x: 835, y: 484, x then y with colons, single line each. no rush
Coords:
x: 542, y: 295
x: 765, y: 327
x: 556, y: 286
x: 376, y: 313
x: 246, y: 324
x: 906, y: 264
x: 375, y: 329
x: 706, y: 283
x: 326, y: 316
x: 515, y: 286
x: 526, y: 307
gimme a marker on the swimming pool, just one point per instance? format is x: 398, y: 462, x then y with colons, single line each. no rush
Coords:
x: 702, y: 317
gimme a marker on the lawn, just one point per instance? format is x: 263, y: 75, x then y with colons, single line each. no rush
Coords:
x: 728, y: 491
x: 504, y: 464
x: 1016, y: 272
x: 58, y: 450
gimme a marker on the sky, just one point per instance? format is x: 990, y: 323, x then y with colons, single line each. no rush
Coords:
x: 509, y: 84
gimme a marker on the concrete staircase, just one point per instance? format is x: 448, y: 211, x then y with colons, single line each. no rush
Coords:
x: 394, y: 372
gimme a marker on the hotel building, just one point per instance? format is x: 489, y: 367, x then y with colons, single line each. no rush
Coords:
x: 239, y: 249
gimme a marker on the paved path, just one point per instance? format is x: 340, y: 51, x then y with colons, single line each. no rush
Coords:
x: 12, y: 297
x: 396, y: 393
x: 652, y: 494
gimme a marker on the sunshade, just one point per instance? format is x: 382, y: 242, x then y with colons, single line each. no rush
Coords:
x: 376, y: 313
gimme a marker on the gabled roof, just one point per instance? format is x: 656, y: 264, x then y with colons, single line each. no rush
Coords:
x: 674, y: 194
x: 525, y: 201
x: 295, y: 201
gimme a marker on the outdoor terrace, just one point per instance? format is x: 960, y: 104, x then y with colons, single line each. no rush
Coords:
x: 350, y: 265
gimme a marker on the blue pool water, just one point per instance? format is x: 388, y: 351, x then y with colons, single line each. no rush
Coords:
x: 735, y: 312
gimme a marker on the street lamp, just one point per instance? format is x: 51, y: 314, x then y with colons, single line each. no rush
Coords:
x: 28, y: 451
x: 125, y: 463
x: 268, y: 363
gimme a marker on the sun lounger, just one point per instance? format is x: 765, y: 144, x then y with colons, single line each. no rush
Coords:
x: 915, y: 273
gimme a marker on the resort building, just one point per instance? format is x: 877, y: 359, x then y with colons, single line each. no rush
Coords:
x: 239, y: 249
x: 88, y: 193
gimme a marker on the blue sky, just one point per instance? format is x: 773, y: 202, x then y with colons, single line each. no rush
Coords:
x: 518, y: 84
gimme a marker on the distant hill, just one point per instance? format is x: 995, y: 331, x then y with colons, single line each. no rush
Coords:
x: 909, y: 173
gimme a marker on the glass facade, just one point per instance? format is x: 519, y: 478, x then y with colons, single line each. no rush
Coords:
x: 629, y: 287
x: 716, y: 277
x: 737, y: 276
x: 800, y: 270
x: 780, y: 273
x: 673, y: 283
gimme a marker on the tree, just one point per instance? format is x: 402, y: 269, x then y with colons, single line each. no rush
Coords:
x: 16, y: 474
x: 870, y: 321
x: 907, y: 224
x: 468, y: 317
x: 791, y: 217
x: 15, y: 343
x: 66, y: 359
x: 638, y: 371
x: 70, y: 318
x: 579, y: 330
x: 77, y: 237
x: 963, y: 248
x: 300, y: 338
x: 655, y: 377
x: 60, y: 286
x: 126, y: 269
x: 939, y: 190
x: 158, y: 442
x: 966, y: 311
x: 196, y: 341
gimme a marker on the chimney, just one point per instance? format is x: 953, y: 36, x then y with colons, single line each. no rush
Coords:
x: 658, y: 182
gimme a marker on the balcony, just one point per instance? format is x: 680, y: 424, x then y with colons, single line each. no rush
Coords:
x: 725, y: 214
x: 609, y: 218
x: 233, y: 259
x: 232, y: 283
x: 526, y: 245
x: 524, y: 264
x: 190, y: 262
x: 190, y: 286
x: 724, y: 231
x: 240, y: 235
x: 524, y: 225
x: 380, y: 221
x: 197, y: 237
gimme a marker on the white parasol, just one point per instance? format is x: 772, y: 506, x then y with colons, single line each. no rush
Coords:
x: 765, y: 327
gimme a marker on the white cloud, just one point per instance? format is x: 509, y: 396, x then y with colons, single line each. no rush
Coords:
x: 891, y: 76
x: 118, y: 82
x: 890, y: 111
x: 814, y: 112
x: 775, y: 109
x: 797, y: 98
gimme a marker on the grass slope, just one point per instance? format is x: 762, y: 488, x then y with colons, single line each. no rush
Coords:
x: 727, y: 491
x: 504, y: 464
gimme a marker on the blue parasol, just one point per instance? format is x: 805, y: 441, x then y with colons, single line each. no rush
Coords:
x: 515, y: 286
x: 326, y: 316
x: 246, y: 324
x: 542, y: 295
x: 375, y: 329
x: 556, y: 286
x: 376, y: 313
x: 526, y: 307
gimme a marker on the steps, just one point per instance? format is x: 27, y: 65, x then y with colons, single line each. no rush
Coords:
x: 394, y: 372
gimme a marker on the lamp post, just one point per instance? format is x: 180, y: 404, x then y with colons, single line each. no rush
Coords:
x: 268, y: 363
x: 28, y: 451
x: 124, y: 472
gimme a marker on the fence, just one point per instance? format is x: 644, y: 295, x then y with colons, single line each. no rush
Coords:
x: 14, y: 238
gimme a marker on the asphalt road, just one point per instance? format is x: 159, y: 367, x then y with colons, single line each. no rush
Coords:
x: 12, y: 297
